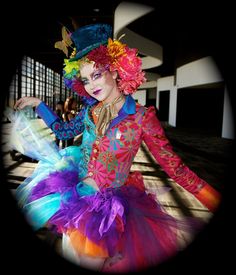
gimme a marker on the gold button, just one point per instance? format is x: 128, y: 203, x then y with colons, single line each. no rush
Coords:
x: 91, y: 166
x: 90, y: 173
x: 93, y: 158
x: 97, y: 142
x: 95, y: 150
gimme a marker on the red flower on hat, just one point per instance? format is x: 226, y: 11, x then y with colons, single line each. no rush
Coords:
x: 100, y: 56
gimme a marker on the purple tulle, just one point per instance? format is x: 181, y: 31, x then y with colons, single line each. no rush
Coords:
x: 57, y: 182
x: 125, y: 220
x: 95, y: 216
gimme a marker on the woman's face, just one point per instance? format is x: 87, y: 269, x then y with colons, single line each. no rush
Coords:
x: 99, y: 83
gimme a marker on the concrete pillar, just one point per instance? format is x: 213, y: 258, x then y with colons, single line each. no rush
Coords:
x: 173, y: 106
x: 157, y: 98
x: 228, y: 121
x: 140, y: 95
x: 167, y: 84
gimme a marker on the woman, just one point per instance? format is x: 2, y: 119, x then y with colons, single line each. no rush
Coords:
x: 70, y: 107
x: 108, y: 219
x: 60, y: 112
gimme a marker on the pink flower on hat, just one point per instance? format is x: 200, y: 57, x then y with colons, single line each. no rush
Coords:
x: 129, y: 67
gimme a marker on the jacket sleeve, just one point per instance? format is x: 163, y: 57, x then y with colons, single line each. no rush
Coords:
x: 62, y: 130
x: 161, y: 149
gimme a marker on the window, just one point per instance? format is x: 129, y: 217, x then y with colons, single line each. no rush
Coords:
x: 35, y: 79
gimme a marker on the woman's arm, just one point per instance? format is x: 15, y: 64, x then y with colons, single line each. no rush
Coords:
x: 160, y: 147
x: 62, y: 130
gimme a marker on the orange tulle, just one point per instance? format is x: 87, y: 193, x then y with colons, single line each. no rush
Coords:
x: 85, y: 246
x: 209, y: 197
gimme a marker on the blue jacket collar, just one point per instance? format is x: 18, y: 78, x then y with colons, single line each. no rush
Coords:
x: 129, y: 106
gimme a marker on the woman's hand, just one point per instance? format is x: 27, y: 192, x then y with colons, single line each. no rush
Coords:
x: 27, y: 101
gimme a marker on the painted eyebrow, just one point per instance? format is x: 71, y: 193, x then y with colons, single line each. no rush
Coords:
x: 83, y: 78
x: 91, y: 75
x: 98, y: 71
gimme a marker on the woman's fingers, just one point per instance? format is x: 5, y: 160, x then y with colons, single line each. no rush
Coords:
x: 19, y: 103
x: 27, y: 101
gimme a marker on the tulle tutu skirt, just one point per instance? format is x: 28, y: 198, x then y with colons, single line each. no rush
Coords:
x: 125, y: 224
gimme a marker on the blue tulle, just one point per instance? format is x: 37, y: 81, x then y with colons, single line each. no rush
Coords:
x: 28, y: 137
x: 85, y: 190
x: 38, y: 212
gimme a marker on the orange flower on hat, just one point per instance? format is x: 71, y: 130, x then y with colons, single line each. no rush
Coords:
x: 115, y: 49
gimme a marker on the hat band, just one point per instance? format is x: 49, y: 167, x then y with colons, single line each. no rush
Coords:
x: 87, y: 49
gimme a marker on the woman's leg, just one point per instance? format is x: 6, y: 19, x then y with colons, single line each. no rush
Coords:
x: 68, y: 251
x: 92, y: 262
x: 70, y: 254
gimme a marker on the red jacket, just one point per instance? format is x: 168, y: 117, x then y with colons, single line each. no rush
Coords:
x: 112, y: 155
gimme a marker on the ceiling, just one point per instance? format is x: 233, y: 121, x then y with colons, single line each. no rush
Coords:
x: 184, y: 35
x: 40, y: 44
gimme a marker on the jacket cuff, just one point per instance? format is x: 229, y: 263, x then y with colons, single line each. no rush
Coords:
x: 46, y: 114
x: 209, y: 197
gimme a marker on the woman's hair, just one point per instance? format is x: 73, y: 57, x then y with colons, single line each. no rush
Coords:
x: 100, y: 49
x: 69, y: 103
x: 60, y: 102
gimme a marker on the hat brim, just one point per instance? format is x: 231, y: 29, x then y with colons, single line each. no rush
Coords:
x: 86, y: 50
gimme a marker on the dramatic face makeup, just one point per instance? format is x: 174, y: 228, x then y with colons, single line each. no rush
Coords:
x: 99, y: 82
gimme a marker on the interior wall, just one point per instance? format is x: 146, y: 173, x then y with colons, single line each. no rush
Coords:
x: 201, y: 109
x: 164, y: 105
